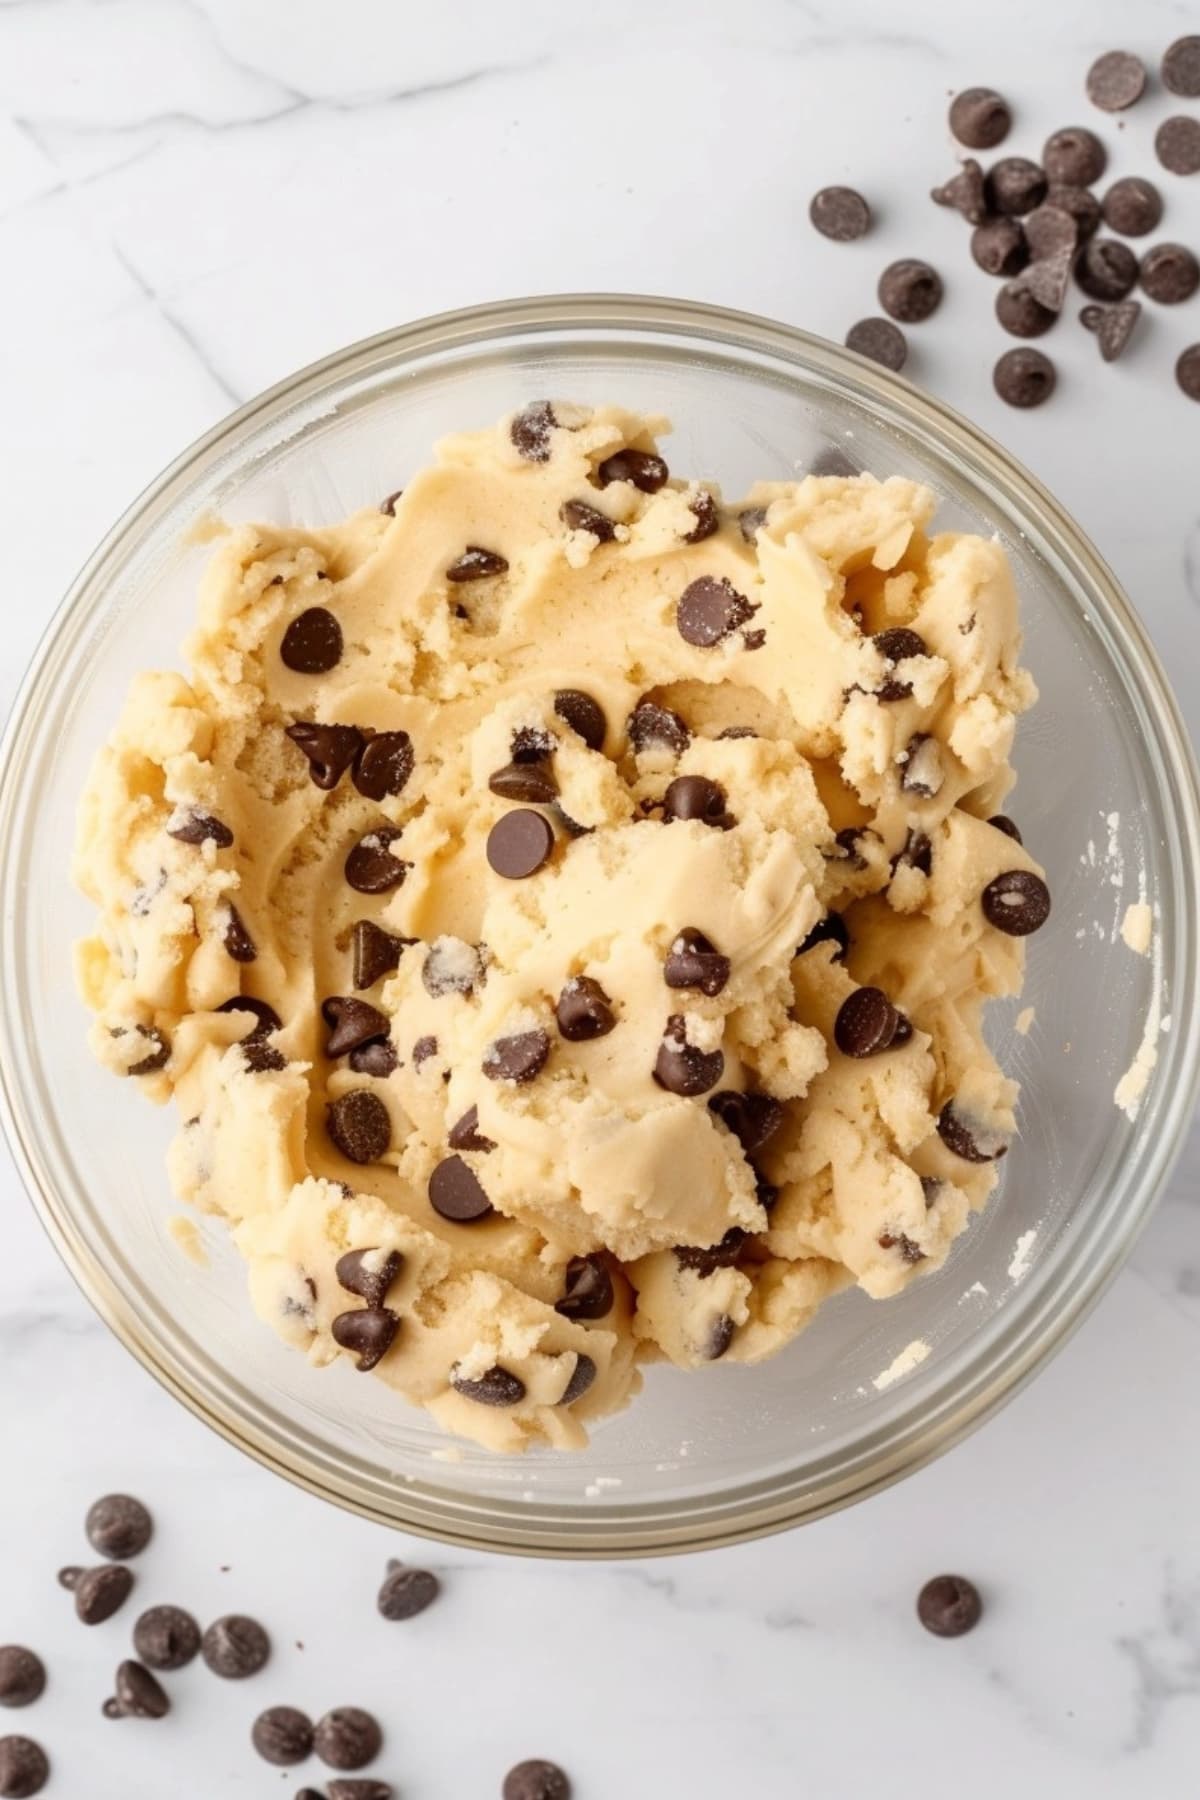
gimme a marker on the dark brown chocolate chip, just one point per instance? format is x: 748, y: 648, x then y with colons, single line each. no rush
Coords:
x: 840, y: 213
x: 370, y: 867
x: 138, y: 1695
x: 101, y: 1592
x: 1169, y: 274
x: 367, y: 1333
x: 1181, y: 67
x: 582, y: 1377
x: 1115, y: 80
x: 1187, y: 371
x: 896, y: 645
x: 922, y: 773
x: 22, y: 1675
x: 1112, y: 324
x: 536, y: 1780
x: 359, y: 1125
x: 577, y: 515
x: 1019, y: 313
x: 350, y: 1789
x: 377, y: 1058
x: 347, y: 1738
x: 158, y: 1051
x: 751, y: 520
x: 915, y: 853
x: 866, y: 1023
x: 69, y: 1577
x: 980, y: 118
x: 709, y: 610
x: 1002, y: 822
x: 118, y: 1526
x: 235, y: 1647
x: 640, y: 468
x: 588, y: 1289
x: 696, y: 797
x: 531, y: 782
x: 583, y: 714
x: 848, y: 845
x: 703, y: 509
x: 465, y: 1134
x: 376, y: 953
x: 236, y: 938
x: 1045, y: 281
x: 368, y: 1273
x: 1133, y: 206
x: 1024, y: 377
x: 1082, y: 205
x: 910, y: 1250
x: 584, y: 1011
x: 1051, y: 231
x: 166, y: 1637
x: 681, y: 1068
x: 719, y: 1338
x: 694, y: 962
x: 999, y: 247
x: 904, y: 1032
x: 1074, y: 156
x: 973, y: 1142
x: 312, y: 643
x: 964, y: 192
x: 1014, y: 186
x: 530, y: 431
x: 1016, y: 902
x: 705, y: 1260
x: 753, y: 1118
x: 282, y: 1735
x: 24, y: 1768
x: 388, y: 505
x: 260, y: 1057
x: 351, y: 1023
x: 456, y: 1193
x: 497, y: 1387
x: 654, y: 727
x: 423, y: 1049
x: 949, y: 1605
x: 384, y: 765
x: 910, y: 291
x: 1106, y: 269
x: 518, y: 1058
x: 829, y: 930
x: 191, y: 826
x: 406, y: 1592
x: 519, y: 843
x: 476, y: 564
x: 330, y: 749
x: 881, y: 341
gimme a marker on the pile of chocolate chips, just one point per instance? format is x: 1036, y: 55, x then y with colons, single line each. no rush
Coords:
x: 1038, y: 226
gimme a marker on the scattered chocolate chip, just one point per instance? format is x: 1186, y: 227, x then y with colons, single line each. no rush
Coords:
x: 922, y: 772
x: 999, y: 247
x: 588, y: 1290
x: 530, y: 431
x: 351, y: 1023
x: 643, y: 470
x: 1169, y: 274
x: 719, y: 1338
x: 681, y: 1068
x: 980, y: 118
x: 881, y: 341
x: 330, y: 749
x: 518, y: 1058
x: 1177, y: 145
x: 1132, y: 206
x: 24, y: 1768
x: 536, y: 1780
x: 1112, y: 324
x: 694, y: 962
x: 829, y: 930
x: 118, y: 1526
x: 709, y: 609
x: 1016, y: 902
x: 384, y: 765
x: 1074, y: 156
x: 751, y: 520
x: 964, y: 192
x: 1106, y: 269
x: 577, y: 515
x: 69, y: 1577
x: 406, y: 1592
x: 423, y: 1049
x: 582, y: 1377
x: 456, y: 1193
x: 949, y: 1605
x: 368, y: 1273
x: 1051, y: 231
x: 347, y: 1738
x: 191, y: 826
x: 519, y: 843
x: 465, y: 1134
x: 1024, y: 377
x: 22, y: 1676
x: 584, y: 1011
x: 866, y: 1023
x: 653, y: 727
x: 312, y: 643
x: 388, y: 505
x: 703, y: 509
x: 753, y: 1118
x: 1082, y: 205
x: 531, y: 782
x: 353, y: 1790
x: 583, y: 714
x: 1002, y: 822
x: 1020, y: 313
x: 235, y: 1647
x: 1181, y: 67
x: 1187, y: 371
x: 1046, y: 280
x: 1014, y: 186
x: 376, y: 953
x: 282, y: 1735
x: 974, y: 1143
x: 359, y: 1125
x: 166, y: 1637
x: 138, y: 1694
x: 909, y: 291
x: 476, y: 564
x: 1115, y: 80
x: 896, y: 645
x: 498, y: 1387
x: 157, y: 1056
x: 696, y: 797
x: 840, y: 213
x: 370, y: 867
x: 101, y: 1592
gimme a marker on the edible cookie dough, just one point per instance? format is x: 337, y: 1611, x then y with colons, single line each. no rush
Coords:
x: 562, y: 905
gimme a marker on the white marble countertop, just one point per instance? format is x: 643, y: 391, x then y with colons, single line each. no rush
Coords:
x: 195, y: 197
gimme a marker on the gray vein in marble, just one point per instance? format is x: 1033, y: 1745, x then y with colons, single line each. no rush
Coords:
x: 1166, y: 1660
x: 177, y: 326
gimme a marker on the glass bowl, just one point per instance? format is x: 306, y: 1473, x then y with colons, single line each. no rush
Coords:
x: 1107, y: 799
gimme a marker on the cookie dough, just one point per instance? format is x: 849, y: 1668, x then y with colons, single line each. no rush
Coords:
x: 562, y: 907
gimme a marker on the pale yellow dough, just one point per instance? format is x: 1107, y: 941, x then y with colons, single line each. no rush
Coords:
x: 592, y: 1155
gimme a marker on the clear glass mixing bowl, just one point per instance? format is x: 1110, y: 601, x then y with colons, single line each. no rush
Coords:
x: 1107, y: 799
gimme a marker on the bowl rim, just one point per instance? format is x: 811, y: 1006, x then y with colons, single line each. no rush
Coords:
x: 519, y: 1529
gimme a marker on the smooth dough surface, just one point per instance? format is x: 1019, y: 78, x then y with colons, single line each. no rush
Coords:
x: 852, y: 783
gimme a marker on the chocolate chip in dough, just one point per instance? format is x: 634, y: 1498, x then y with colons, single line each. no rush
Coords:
x: 536, y: 1780
x: 312, y: 643
x: 497, y: 1387
x: 1181, y: 68
x: 1051, y: 231
x: 703, y: 509
x: 881, y: 341
x: 351, y: 1023
x: 999, y: 247
x: 476, y: 564
x: 188, y: 825
x: 910, y: 1250
x: 974, y: 1142
x: 750, y: 520
x: 949, y: 1605
x: 1080, y: 202
x: 1002, y: 822
x: 1024, y: 377
x: 377, y: 1058
x: 866, y: 1023
x: 1017, y: 902
x: 456, y: 1193
x: 406, y: 1592
x: 137, y: 1694
x: 368, y: 1273
x: 1074, y: 156
x: 22, y: 1676
x: 923, y: 772
x: 1177, y: 145
x: 1169, y: 274
x: 719, y: 1337
x: 829, y: 930
x: 910, y: 291
x: 654, y: 727
x: 384, y: 765
x: 753, y: 1118
x: 694, y: 962
x: 359, y: 1125
x: 519, y: 843
x: 840, y: 213
x: 423, y: 1049
x: 584, y: 1011
x: 588, y: 1290
x: 640, y: 468
x: 236, y: 938
x: 583, y: 1376
x: 1115, y: 80
x: 705, y: 1260
x: 1111, y: 324
x: 376, y: 953
x: 896, y: 645
x: 1020, y: 313
x: 368, y: 1333
x: 915, y: 853
x: 101, y: 1592
x: 282, y: 1735
x: 24, y: 1768
x: 964, y: 192
x: 266, y: 1019
x: 387, y: 505
x: 166, y: 1637
x: 530, y: 782
x: 584, y: 715
x: 370, y: 867
x: 465, y: 1134
x: 682, y: 1068
x: 518, y: 1058
x: 980, y: 118
x: 329, y: 749
x: 1132, y: 206
x: 235, y: 1647
x: 848, y: 845
x: 577, y: 515
x: 158, y: 1051
x: 347, y: 1738
x: 1015, y: 186
x: 1187, y: 371
x: 696, y: 797
x: 709, y: 610
x: 530, y: 431
x: 118, y: 1526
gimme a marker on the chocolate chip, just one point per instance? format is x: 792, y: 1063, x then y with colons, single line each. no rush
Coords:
x: 681, y: 1068
x: 118, y: 1526
x: 1187, y: 371
x: 1169, y: 274
x: 973, y: 1142
x: 530, y: 431
x: 330, y: 749
x: 964, y: 192
x: 1082, y: 205
x: 69, y: 1577
x: 719, y: 1338
x: 1051, y: 231
x: 577, y: 515
x: 384, y: 765
x: 368, y: 1333
x: 476, y: 564
x: 101, y: 1592
x: 352, y: 1022
x: 498, y: 1387
x: 138, y: 1694
x: 388, y: 505
x: 903, y: 1032
x: 915, y: 853
x: 653, y: 727
x: 347, y: 1738
x: 848, y: 842
x: 1014, y: 186
x: 1181, y: 67
x: 696, y: 797
x: 282, y: 1735
x: 643, y: 470
x: 840, y: 213
x: 866, y: 1023
x: 582, y: 1377
x: 1002, y: 822
x: 979, y: 118
x: 1024, y: 377
x: 922, y: 773
x: 456, y: 1193
x: 368, y: 1273
x: 896, y: 645
x: 352, y: 1790
x: 536, y: 1780
x: 260, y: 1057
x: 22, y: 1676
x: 519, y: 844
x: 236, y: 938
x: 1115, y: 80
x: 518, y: 1058
x: 235, y: 1647
x: 709, y: 609
x: 1016, y: 902
x: 370, y: 867
x: 24, y: 1768
x: 704, y: 1261
x: 1045, y: 281
x: 999, y: 247
x: 465, y: 1134
x: 423, y: 1049
x: 1106, y: 269
x: 1019, y: 313
x: 532, y: 782
x: 406, y: 1592
x: 829, y: 930
x: 753, y: 1118
x: 376, y: 953
x: 158, y: 1053
x: 881, y: 341
x: 166, y: 1637
x: 312, y: 643
x: 1112, y: 324
x: 359, y: 1125
x: 949, y: 1605
x: 377, y: 1058
x: 910, y: 1250
x: 583, y: 714
x: 588, y: 1290
x: 694, y: 962
x: 191, y: 826
x: 751, y: 520
x: 1132, y: 206
x: 584, y: 1011
x: 703, y: 509
x: 909, y: 291
x: 1074, y: 156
